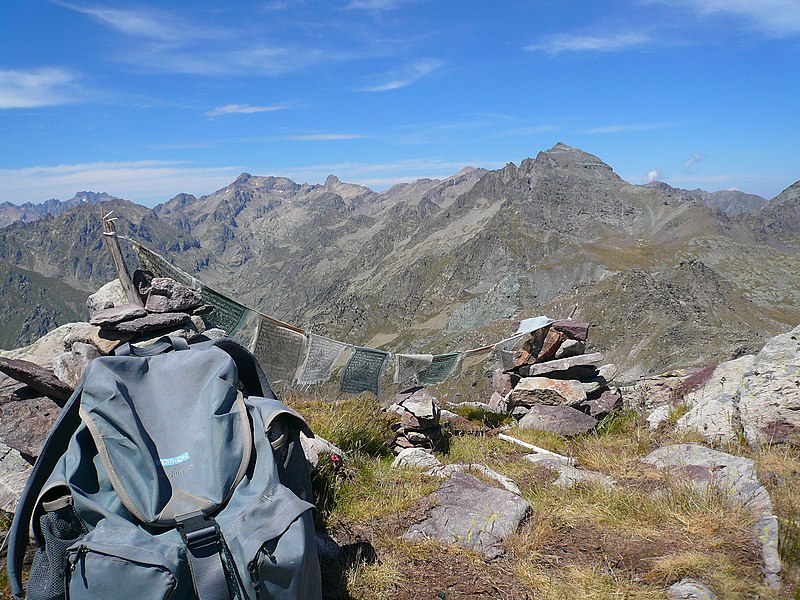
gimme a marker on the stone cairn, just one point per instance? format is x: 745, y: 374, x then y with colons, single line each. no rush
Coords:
x: 552, y: 384
x: 419, y: 421
x: 166, y: 304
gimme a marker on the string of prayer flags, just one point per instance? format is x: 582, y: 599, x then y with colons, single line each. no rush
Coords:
x: 363, y: 371
x: 227, y: 314
x: 440, y: 368
x: 279, y: 350
x: 408, y: 366
x: 534, y: 323
x: 321, y: 355
x: 161, y: 267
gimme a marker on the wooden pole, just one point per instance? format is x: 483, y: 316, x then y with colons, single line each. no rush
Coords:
x: 112, y: 245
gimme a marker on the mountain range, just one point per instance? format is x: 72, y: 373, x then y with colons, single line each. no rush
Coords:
x: 666, y: 276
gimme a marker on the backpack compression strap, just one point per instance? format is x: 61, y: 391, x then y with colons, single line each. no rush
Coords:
x: 54, y: 446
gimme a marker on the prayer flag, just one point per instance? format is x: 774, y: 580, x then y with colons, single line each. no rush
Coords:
x: 534, y: 323
x: 440, y: 368
x: 321, y: 355
x: 227, y: 314
x: 161, y: 267
x: 363, y: 371
x: 408, y: 366
x: 279, y: 350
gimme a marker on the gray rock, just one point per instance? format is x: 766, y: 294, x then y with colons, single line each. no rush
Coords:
x: 151, y: 322
x: 574, y: 329
x: 568, y: 474
x: 689, y: 589
x: 770, y: 396
x: 562, y: 420
x: 498, y: 403
x: 608, y: 372
x: 215, y: 333
x: 314, y: 447
x: 39, y: 378
x: 734, y: 476
x: 501, y: 382
x: 14, y: 473
x: 570, y: 348
x: 594, y: 384
x: 69, y: 367
x: 419, y: 410
x: 169, y: 296
x: 117, y: 314
x: 110, y: 295
x: 199, y: 323
x: 542, y: 390
x: 584, y: 361
x: 472, y: 514
x: 415, y: 458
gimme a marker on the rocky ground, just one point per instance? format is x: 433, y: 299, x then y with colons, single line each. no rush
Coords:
x: 553, y: 483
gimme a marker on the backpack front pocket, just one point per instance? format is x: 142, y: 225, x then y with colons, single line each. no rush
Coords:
x: 98, y: 570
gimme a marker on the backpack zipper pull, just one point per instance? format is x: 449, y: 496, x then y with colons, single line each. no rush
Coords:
x: 73, y: 563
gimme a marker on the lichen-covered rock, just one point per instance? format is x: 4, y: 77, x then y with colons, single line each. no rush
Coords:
x: 14, y: 473
x: 168, y: 296
x: 690, y: 589
x: 26, y: 418
x: 472, y: 514
x: 69, y: 367
x: 568, y: 474
x: 416, y: 458
x: 769, y: 406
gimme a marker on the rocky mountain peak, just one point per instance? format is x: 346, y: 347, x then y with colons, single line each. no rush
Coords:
x: 331, y: 181
x: 242, y: 179
x: 562, y: 158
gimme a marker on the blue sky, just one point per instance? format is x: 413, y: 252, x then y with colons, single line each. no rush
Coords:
x: 146, y: 100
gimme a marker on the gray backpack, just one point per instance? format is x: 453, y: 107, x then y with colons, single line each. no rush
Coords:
x: 171, y: 473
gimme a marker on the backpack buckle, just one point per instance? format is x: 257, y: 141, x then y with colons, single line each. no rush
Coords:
x: 197, y: 530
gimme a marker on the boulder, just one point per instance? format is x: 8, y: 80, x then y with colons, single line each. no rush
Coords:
x: 419, y: 410
x: 585, y: 363
x: 39, y: 378
x: 117, y: 314
x: 69, y: 367
x: 573, y: 329
x: 26, y: 418
x: 769, y: 406
x: 168, y: 296
x: 498, y: 403
x: 501, y: 382
x: 472, y: 514
x: 600, y: 407
x: 608, y: 372
x: 570, y: 348
x: 658, y: 416
x: 14, y: 473
x: 314, y: 447
x: 542, y: 390
x: 151, y: 322
x: 415, y: 458
x: 110, y: 295
x: 563, y: 420
x: 104, y: 340
x: 716, y: 418
x: 689, y: 589
x: 52, y: 344
x: 734, y: 476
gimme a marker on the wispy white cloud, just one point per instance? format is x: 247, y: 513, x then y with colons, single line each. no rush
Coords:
x: 148, y: 181
x: 167, y: 42
x: 773, y: 17
x: 523, y: 131
x: 38, y: 87
x: 407, y: 76
x: 613, y: 42
x: 321, y: 137
x: 244, y: 109
x: 626, y: 128
x: 689, y: 162
x: 653, y: 175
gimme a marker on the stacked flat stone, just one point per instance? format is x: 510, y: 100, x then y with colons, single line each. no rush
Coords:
x: 554, y: 385
x: 419, y: 421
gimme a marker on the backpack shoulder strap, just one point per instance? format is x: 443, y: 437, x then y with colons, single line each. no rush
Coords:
x: 54, y: 447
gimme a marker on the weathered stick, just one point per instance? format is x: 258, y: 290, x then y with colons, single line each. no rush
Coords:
x: 112, y: 245
x: 536, y: 449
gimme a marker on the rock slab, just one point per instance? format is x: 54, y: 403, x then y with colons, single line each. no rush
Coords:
x: 543, y: 390
x: 39, y: 378
x: 167, y: 295
x: 117, y: 314
x: 14, y: 473
x: 563, y: 420
x: 151, y: 322
x: 735, y: 476
x: 472, y: 514
x: 690, y: 589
